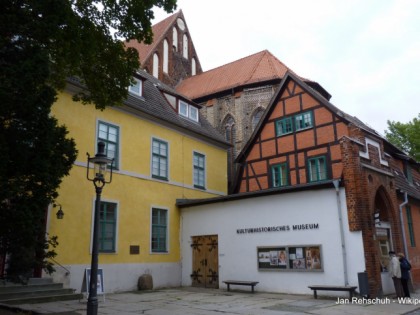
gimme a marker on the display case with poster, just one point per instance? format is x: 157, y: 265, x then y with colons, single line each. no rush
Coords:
x: 292, y: 258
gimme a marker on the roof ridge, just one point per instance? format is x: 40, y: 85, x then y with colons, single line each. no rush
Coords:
x: 257, y: 64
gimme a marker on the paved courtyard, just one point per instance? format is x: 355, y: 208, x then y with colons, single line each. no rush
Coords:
x: 193, y: 301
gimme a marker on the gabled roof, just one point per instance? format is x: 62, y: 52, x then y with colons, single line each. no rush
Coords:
x: 291, y: 76
x: 159, y: 30
x: 153, y: 106
x: 401, y: 181
x: 260, y: 67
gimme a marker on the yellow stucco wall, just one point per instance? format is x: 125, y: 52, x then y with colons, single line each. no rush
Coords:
x: 132, y: 186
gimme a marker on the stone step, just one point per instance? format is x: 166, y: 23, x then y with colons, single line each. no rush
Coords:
x: 25, y: 294
x: 43, y: 299
x: 11, y: 288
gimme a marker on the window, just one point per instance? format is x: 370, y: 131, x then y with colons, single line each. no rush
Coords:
x: 317, y: 169
x: 408, y: 174
x: 107, y: 227
x: 156, y: 66
x: 109, y: 134
x: 284, y: 126
x: 303, y: 121
x: 183, y: 108
x: 159, y: 231
x: 199, y: 170
x: 256, y: 117
x: 188, y: 111
x: 185, y: 47
x: 193, y: 67
x: 137, y: 87
x: 279, y: 175
x: 159, y: 159
x: 165, y: 56
x: 175, y: 39
x: 193, y: 115
x: 410, y: 226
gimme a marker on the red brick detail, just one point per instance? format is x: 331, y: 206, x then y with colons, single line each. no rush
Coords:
x: 254, y: 154
x: 325, y: 134
x: 268, y: 131
x: 259, y: 168
x: 322, y: 116
x: 342, y: 130
x: 277, y: 111
x: 277, y: 160
x: 292, y: 105
x: 305, y: 139
x: 308, y: 101
x: 317, y: 152
x: 286, y: 143
x: 335, y: 152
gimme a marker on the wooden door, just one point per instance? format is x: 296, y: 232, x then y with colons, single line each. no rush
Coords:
x: 205, y: 256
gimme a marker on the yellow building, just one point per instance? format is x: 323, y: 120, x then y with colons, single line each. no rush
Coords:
x: 163, y: 150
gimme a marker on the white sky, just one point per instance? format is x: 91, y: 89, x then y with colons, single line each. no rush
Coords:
x: 365, y: 53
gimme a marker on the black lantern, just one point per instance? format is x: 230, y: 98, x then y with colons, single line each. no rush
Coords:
x: 60, y: 212
x: 101, y: 163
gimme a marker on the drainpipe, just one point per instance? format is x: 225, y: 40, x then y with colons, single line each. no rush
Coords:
x: 340, y: 219
x: 402, y: 224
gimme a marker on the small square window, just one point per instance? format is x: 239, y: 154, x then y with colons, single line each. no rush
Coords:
x: 136, y: 88
x: 193, y: 113
x: 284, y: 126
x: 183, y: 109
x: 303, y: 121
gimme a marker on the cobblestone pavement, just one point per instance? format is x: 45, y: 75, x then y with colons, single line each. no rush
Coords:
x: 193, y: 301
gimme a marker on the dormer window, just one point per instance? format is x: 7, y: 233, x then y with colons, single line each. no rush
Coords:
x: 188, y: 111
x: 137, y: 87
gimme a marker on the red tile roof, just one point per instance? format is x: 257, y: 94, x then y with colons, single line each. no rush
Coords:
x: 259, y: 67
x: 159, y: 30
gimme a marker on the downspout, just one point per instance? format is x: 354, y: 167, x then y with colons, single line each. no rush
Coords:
x: 340, y: 221
x: 402, y: 224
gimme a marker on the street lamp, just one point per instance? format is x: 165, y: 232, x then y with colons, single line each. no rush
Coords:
x: 101, y: 163
x: 60, y: 212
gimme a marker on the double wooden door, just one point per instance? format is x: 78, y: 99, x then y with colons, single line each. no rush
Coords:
x: 205, y: 256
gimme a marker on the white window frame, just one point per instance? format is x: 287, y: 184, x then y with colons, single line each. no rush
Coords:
x: 205, y: 170
x: 167, y: 230
x: 117, y: 158
x: 138, y: 83
x: 167, y: 159
x: 117, y: 219
x: 188, y: 111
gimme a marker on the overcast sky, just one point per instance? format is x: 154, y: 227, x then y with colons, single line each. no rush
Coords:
x: 365, y: 53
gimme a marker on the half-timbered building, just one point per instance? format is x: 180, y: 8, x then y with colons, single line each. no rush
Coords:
x: 303, y: 152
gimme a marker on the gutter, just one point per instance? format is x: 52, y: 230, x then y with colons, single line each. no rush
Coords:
x: 340, y: 221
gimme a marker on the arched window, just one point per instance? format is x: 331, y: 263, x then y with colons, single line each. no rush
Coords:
x: 185, y: 46
x: 156, y: 66
x: 165, y: 56
x: 256, y: 117
x: 193, y: 67
x: 175, y: 39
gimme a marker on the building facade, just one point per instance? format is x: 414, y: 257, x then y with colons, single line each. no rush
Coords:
x: 301, y: 142
x: 163, y: 150
x: 172, y: 56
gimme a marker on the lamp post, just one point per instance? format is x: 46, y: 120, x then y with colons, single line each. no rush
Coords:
x: 101, y: 163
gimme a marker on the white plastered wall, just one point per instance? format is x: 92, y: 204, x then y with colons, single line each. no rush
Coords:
x: 238, y: 252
